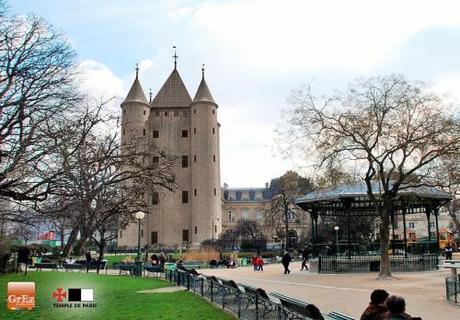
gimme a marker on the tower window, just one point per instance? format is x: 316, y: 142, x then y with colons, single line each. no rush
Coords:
x: 213, y: 130
x: 155, y: 198
x: 155, y: 161
x: 185, y: 236
x: 215, y: 192
x: 194, y: 158
x: 212, y: 111
x: 194, y: 130
x: 196, y: 229
x: 124, y: 111
x: 184, y: 161
x: 157, y: 113
x: 184, y: 133
x: 124, y: 131
x: 184, y: 196
x: 215, y: 229
x: 156, y: 134
x: 185, y: 113
x: 194, y: 111
x: 142, y: 233
x: 214, y: 157
x: 144, y: 111
x: 176, y: 113
x: 154, y: 237
x: 194, y: 192
x: 166, y: 114
x: 143, y: 132
x: 121, y: 234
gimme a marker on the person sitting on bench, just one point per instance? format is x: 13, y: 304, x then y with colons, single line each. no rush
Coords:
x: 396, y: 309
x: 376, y: 309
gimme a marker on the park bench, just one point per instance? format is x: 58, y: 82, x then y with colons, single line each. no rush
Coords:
x: 298, y: 306
x: 46, y: 265
x: 338, y: 316
x: 124, y: 268
x: 155, y: 270
x: 261, y: 297
x: 73, y: 266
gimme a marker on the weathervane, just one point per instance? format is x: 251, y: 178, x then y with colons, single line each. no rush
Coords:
x: 202, y: 70
x: 137, y: 69
x: 175, y: 56
x: 150, y: 94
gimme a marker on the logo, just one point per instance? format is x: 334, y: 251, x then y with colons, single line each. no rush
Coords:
x: 76, y: 298
x: 21, y: 295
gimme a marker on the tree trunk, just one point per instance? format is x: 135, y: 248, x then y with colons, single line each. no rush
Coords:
x: 69, y: 245
x: 455, y: 219
x: 385, y: 271
x: 286, y: 226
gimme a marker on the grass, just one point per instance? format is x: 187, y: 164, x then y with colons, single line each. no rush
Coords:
x: 116, y: 298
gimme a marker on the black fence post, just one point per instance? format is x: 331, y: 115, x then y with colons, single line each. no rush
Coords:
x: 188, y: 281
x: 257, y: 307
x: 212, y: 291
x: 202, y: 286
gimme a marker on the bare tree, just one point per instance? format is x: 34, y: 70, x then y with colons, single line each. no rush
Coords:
x: 250, y: 230
x: 391, y: 129
x: 36, y: 86
x: 285, y: 191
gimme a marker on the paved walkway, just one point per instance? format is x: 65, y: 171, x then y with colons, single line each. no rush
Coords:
x: 424, y: 292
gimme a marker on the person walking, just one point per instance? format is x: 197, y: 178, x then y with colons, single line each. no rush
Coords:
x: 260, y: 263
x: 286, y: 260
x: 254, y: 262
x: 305, y: 254
x: 448, y: 251
x: 88, y: 260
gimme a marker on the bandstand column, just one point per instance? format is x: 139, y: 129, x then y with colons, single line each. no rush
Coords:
x: 436, y: 215
x: 392, y: 231
x: 347, y: 206
x: 428, y: 213
x: 404, y: 230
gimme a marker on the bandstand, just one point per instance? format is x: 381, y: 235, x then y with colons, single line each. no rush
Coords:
x: 352, y: 200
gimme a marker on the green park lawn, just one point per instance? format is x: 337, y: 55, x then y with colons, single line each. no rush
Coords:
x: 116, y: 297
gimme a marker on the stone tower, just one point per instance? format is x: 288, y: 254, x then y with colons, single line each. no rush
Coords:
x: 188, y: 130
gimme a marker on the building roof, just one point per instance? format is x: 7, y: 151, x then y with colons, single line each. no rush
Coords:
x: 203, y: 94
x: 136, y: 93
x: 173, y: 93
x: 332, y: 200
x: 238, y: 192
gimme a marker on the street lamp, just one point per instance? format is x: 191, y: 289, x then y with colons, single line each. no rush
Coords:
x: 138, y: 272
x: 336, y: 228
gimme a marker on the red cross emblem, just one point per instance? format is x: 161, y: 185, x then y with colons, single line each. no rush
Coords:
x: 59, y: 294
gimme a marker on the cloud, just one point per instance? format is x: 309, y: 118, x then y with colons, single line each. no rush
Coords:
x: 99, y: 81
x: 310, y: 34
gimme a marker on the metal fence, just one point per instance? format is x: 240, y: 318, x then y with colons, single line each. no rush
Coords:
x: 453, y: 289
x: 245, y: 305
x: 333, y: 264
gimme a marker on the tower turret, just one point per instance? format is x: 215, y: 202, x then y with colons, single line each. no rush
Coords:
x: 206, y: 199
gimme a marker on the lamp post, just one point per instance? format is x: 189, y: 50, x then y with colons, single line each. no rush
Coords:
x: 336, y: 228
x: 138, y: 263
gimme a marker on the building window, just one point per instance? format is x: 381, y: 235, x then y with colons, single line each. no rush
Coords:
x: 259, y: 215
x: 194, y: 111
x: 412, y: 236
x: 185, y: 236
x: 154, y: 237
x: 155, y: 198
x: 215, y: 229
x: 194, y: 130
x: 196, y: 229
x: 432, y: 224
x: 166, y: 114
x: 184, y: 161
x: 156, y: 134
x: 230, y: 216
x: 176, y: 113
x: 124, y: 111
x: 194, y: 192
x: 156, y: 161
x: 194, y: 158
x: 245, y: 215
x: 157, y: 113
x: 184, y: 196
x: 142, y: 233
x: 121, y: 234
x: 412, y: 225
x: 184, y: 133
x: 215, y: 192
x: 214, y: 158
x: 213, y: 130
x: 212, y: 111
x: 143, y: 132
x: 124, y: 131
x: 185, y: 113
x: 144, y: 111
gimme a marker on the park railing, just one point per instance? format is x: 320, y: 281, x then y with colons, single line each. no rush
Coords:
x: 453, y: 289
x: 245, y: 305
x: 411, y: 263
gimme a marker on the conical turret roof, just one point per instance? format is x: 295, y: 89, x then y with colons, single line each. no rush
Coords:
x: 173, y: 93
x: 203, y: 94
x: 136, y: 93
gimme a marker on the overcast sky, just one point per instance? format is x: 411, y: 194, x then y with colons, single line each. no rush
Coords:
x: 255, y: 53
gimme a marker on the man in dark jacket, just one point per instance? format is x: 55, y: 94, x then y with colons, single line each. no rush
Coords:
x: 377, y: 308
x: 285, y: 261
x: 396, y: 309
x: 305, y: 254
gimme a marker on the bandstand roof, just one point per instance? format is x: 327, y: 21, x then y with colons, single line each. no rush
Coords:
x: 334, y: 200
